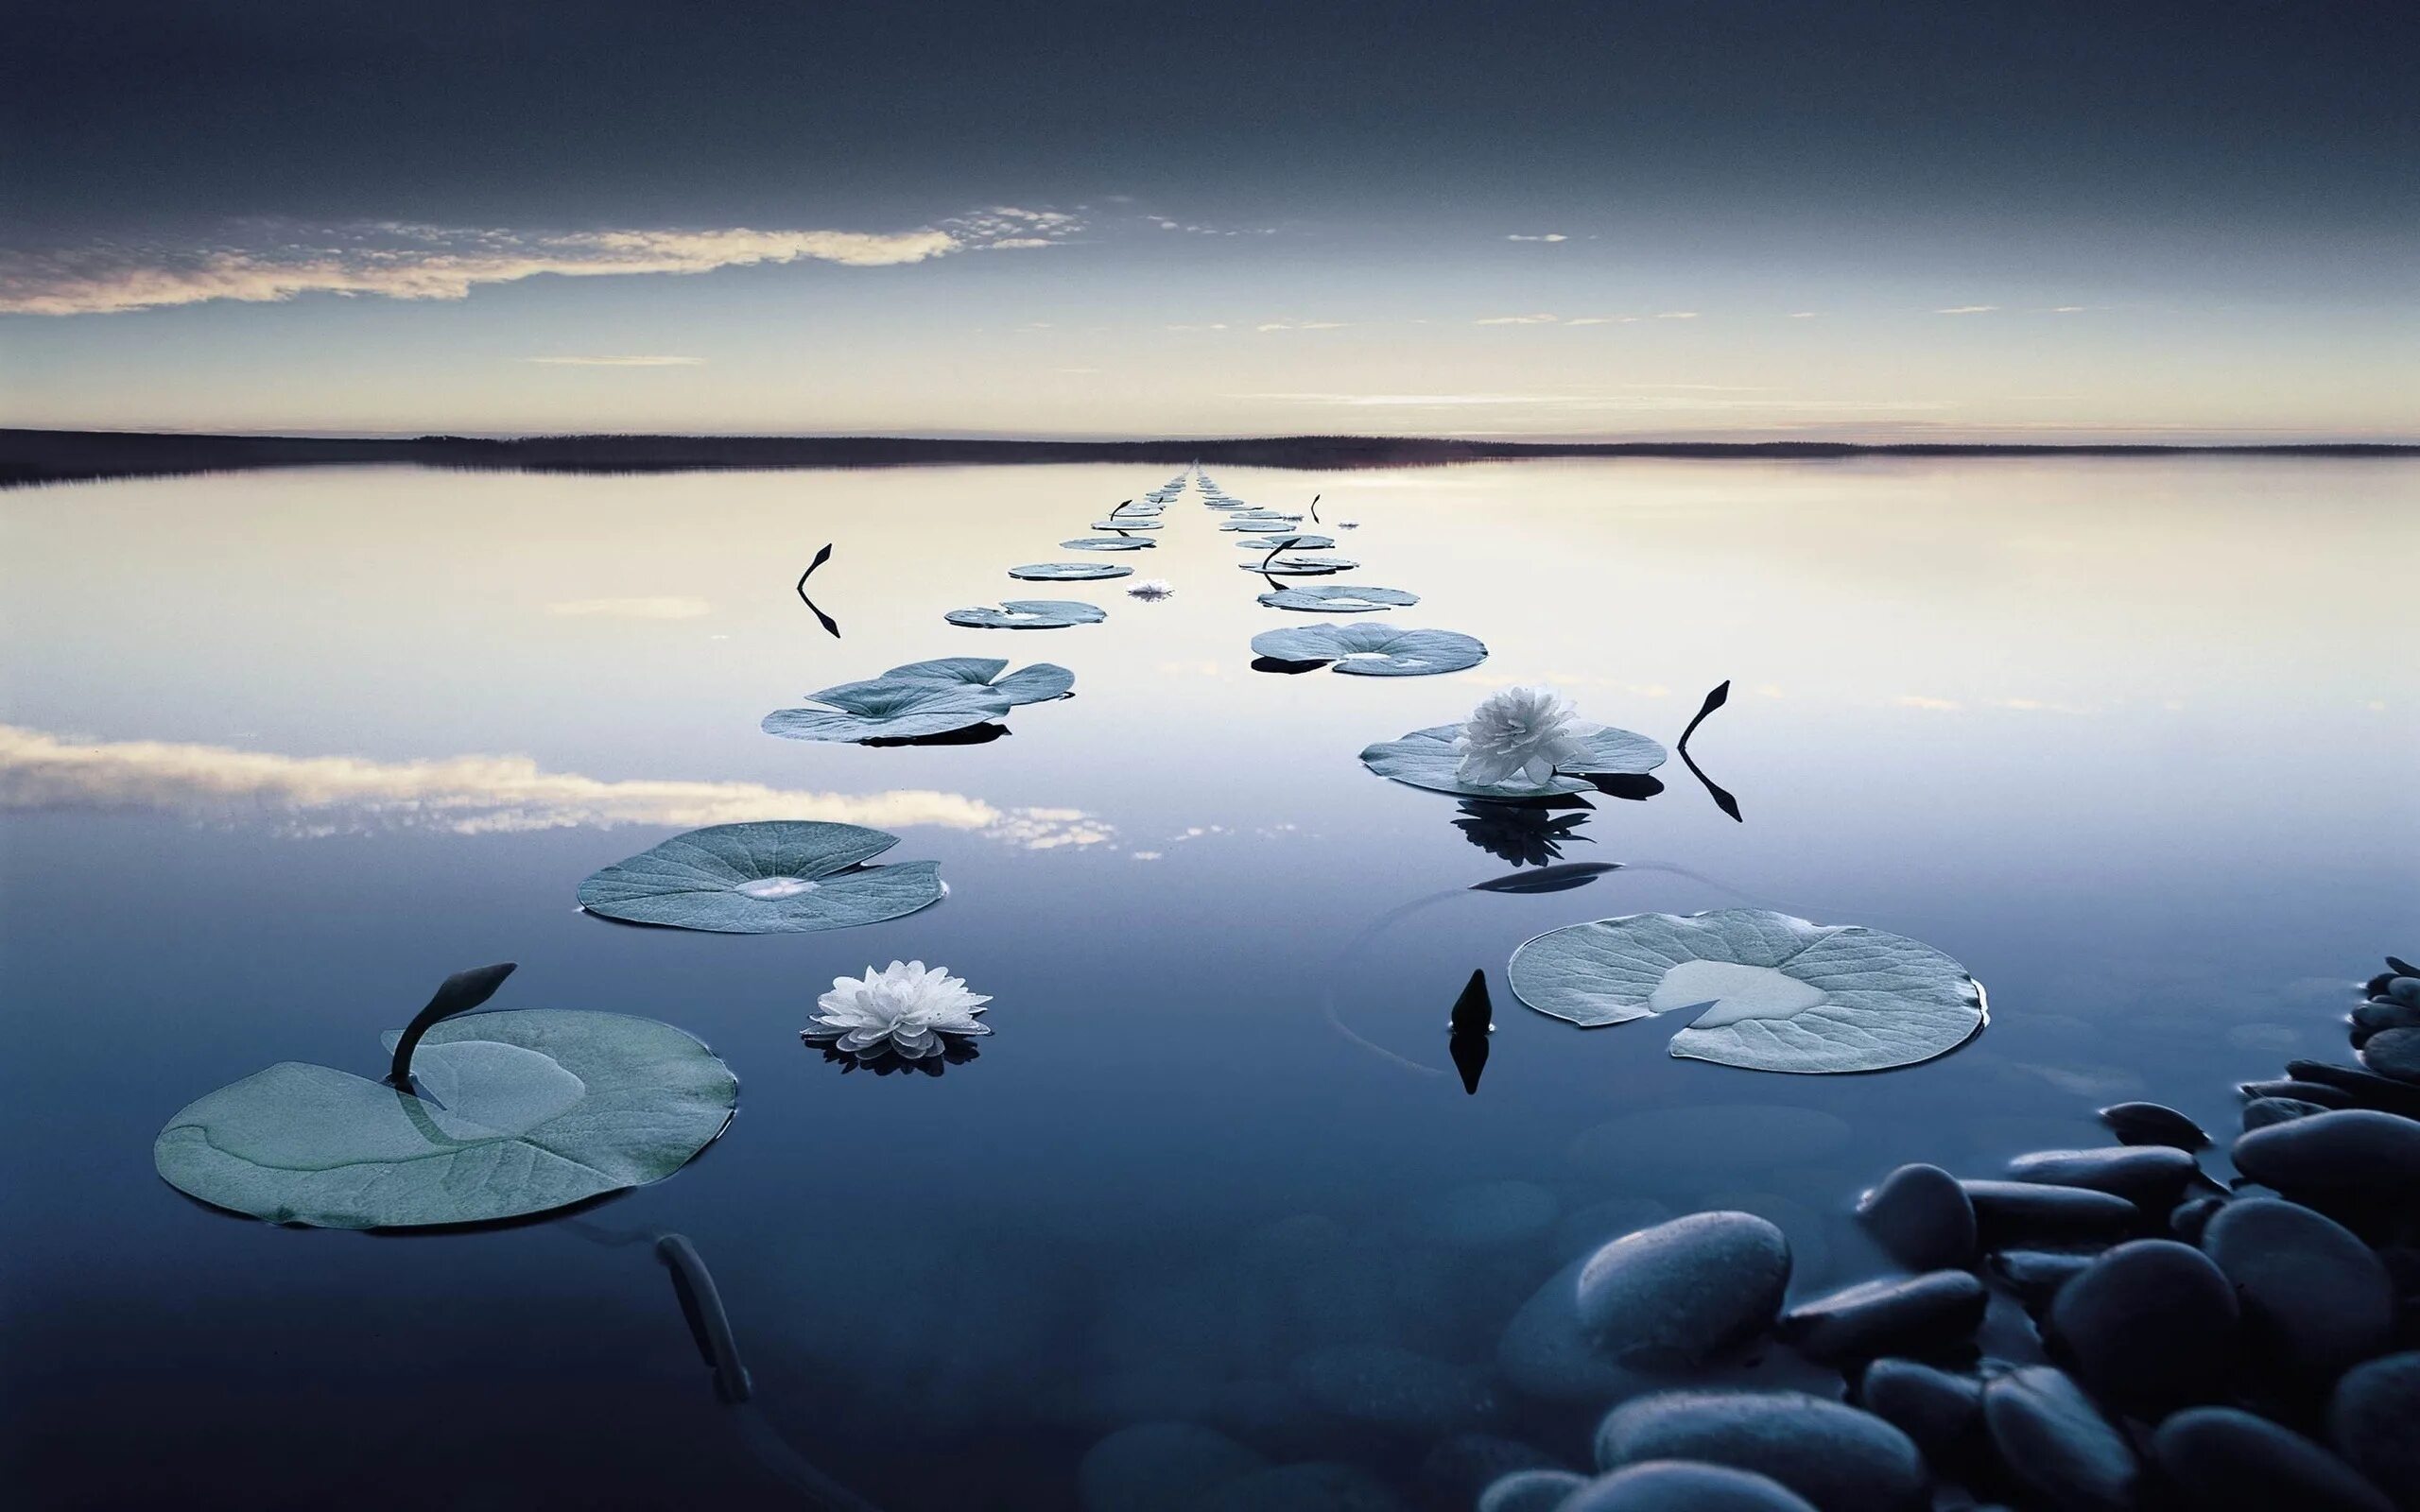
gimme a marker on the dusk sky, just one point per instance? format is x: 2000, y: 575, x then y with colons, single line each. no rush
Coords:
x: 1890, y: 221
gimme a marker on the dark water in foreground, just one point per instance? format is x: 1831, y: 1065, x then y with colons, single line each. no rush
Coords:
x: 2131, y: 739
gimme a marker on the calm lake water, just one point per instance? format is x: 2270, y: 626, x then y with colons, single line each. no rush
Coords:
x: 2133, y: 739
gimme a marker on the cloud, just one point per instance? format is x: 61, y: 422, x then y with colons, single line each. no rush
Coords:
x: 1189, y: 227
x: 1548, y: 236
x: 456, y: 795
x: 1968, y: 309
x: 1301, y: 325
x: 1519, y: 320
x: 1805, y: 315
x: 1214, y: 325
x: 1602, y: 319
x: 633, y: 608
x: 1916, y: 700
x: 2066, y: 309
x: 1678, y: 315
x: 393, y: 260
x: 618, y: 362
x: 1707, y: 397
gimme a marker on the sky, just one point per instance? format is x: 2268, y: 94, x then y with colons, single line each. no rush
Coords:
x: 1717, y: 219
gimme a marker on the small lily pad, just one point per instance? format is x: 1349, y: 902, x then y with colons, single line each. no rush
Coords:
x: 1028, y: 614
x: 1372, y: 650
x: 887, y: 708
x: 1428, y: 758
x: 1108, y: 544
x: 1777, y: 993
x: 1263, y: 527
x: 1037, y: 683
x: 770, y: 877
x: 1300, y: 566
x: 1287, y: 543
x: 1069, y: 572
x: 498, y: 1115
x: 1133, y: 521
x: 1339, y: 598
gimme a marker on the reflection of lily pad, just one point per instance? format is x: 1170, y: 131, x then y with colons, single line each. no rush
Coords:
x: 888, y: 709
x: 1028, y: 614
x: 1372, y: 650
x: 512, y: 1113
x: 1337, y: 598
x: 1069, y: 572
x: 1301, y: 566
x: 1287, y: 543
x: 1427, y: 759
x: 1029, y: 684
x: 1108, y: 544
x: 772, y: 877
x: 1777, y: 993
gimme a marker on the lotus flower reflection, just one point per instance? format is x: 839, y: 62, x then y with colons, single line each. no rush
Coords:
x: 1524, y: 733
x: 907, y: 1010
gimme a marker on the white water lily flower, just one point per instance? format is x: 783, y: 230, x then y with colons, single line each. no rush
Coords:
x: 906, y: 1010
x: 1153, y: 589
x: 1524, y: 733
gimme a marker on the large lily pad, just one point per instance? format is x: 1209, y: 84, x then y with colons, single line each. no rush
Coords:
x: 888, y: 709
x: 1427, y: 759
x: 770, y: 877
x: 1337, y: 598
x: 1028, y: 614
x: 500, y: 1115
x: 1301, y: 566
x: 1069, y: 572
x: 1037, y: 683
x: 1372, y: 650
x: 1108, y: 544
x: 1777, y: 993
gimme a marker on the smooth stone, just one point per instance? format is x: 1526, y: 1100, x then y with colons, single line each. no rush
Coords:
x: 1151, y: 1467
x: 2007, y: 1212
x: 2153, y: 1123
x: 1317, y: 1487
x: 1915, y: 1313
x: 1386, y: 1387
x: 1684, y: 1290
x: 1836, y: 1456
x: 1941, y: 1412
x: 2037, y: 1274
x: 2405, y: 989
x: 2354, y: 1149
x: 2394, y: 1053
x: 1542, y: 1352
x: 2300, y: 1092
x: 1458, y: 1469
x: 2152, y: 1177
x: 2312, y: 1294
x: 2386, y: 1013
x: 2371, y: 1420
x: 2229, y: 1461
x: 2189, y: 1217
x: 1921, y: 1217
x: 2149, y: 1324
x: 1678, y: 1486
x: 1530, y: 1491
x: 2263, y: 1111
x: 2366, y: 1088
x: 2053, y: 1440
x: 1489, y: 1215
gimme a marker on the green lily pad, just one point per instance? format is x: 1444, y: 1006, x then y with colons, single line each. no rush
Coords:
x: 1108, y: 544
x: 770, y: 877
x: 1037, y: 683
x: 1028, y: 614
x: 1777, y: 993
x: 1301, y: 566
x: 1372, y: 650
x: 887, y: 708
x: 1069, y: 572
x: 1337, y: 598
x: 501, y: 1115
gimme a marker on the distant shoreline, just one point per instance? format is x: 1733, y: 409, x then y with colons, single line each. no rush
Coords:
x: 37, y: 457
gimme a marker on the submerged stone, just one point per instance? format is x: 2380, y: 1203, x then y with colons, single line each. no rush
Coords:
x: 1151, y: 1467
x: 1913, y: 1315
x: 1459, y: 1469
x: 1489, y: 1214
x: 1539, y: 1490
x: 1837, y: 1457
x: 2149, y: 1324
x: 2055, y: 1442
x: 2313, y: 1296
x: 1684, y: 1290
x: 1921, y: 1217
x: 1386, y: 1387
x: 1317, y: 1487
x: 1677, y: 1486
x: 2225, y: 1460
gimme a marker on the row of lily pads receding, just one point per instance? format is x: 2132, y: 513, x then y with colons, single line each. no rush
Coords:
x: 510, y: 1114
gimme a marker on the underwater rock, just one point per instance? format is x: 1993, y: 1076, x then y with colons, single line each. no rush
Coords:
x: 2152, y: 1123
x: 1530, y: 1491
x: 1382, y: 1386
x: 1836, y: 1456
x: 1543, y: 1353
x: 1152, y: 1467
x: 2037, y: 1274
x: 2152, y: 1177
x: 2370, y: 1420
x: 2263, y: 1111
x: 1459, y: 1469
x: 2055, y: 1442
x: 2225, y: 1460
x: 1941, y: 1412
x: 2353, y: 1149
x: 2313, y: 1296
x: 1488, y: 1215
x: 1921, y: 1217
x: 2022, y: 1212
x: 1684, y: 1290
x: 1318, y: 1487
x: 1678, y: 1486
x: 2149, y: 1324
x: 1911, y: 1314
x: 2394, y: 1053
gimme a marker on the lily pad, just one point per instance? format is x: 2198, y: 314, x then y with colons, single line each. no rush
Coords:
x: 770, y: 877
x: 1108, y: 544
x: 1069, y: 572
x: 1028, y: 614
x: 1132, y: 521
x: 1287, y: 543
x: 1372, y: 650
x: 1339, y: 598
x: 496, y: 1115
x: 1427, y: 759
x: 1037, y: 683
x: 1301, y: 566
x: 1777, y: 993
x: 887, y: 708
x: 1264, y: 527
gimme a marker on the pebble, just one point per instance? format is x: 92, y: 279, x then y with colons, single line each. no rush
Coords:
x: 2353, y: 1149
x: 1151, y: 1467
x: 1677, y: 1486
x: 1683, y: 1291
x: 1458, y: 1469
x: 2366, y: 1088
x: 1542, y: 1352
x: 1837, y: 1457
x: 2405, y: 989
x: 1918, y: 1314
x: 1530, y: 1491
x: 2053, y: 1440
x: 2263, y: 1111
x: 2229, y: 1461
x: 2370, y: 1420
x: 2188, y: 1218
x: 2152, y: 1177
x: 2300, y: 1092
x: 1941, y: 1412
x: 2037, y: 1274
x: 2394, y: 1053
x: 2152, y: 1123
x: 2149, y: 1324
x: 1921, y: 1217
x: 2386, y: 1013
x: 2314, y: 1296
x: 2015, y: 1212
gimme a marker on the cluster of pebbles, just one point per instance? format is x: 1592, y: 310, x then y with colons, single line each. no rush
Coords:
x: 2094, y: 1329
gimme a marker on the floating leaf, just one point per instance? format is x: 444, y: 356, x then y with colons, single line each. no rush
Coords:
x: 887, y: 708
x: 1300, y: 566
x: 1372, y: 650
x: 1028, y: 614
x: 1287, y: 543
x: 1032, y: 684
x: 1337, y: 598
x: 1777, y: 993
x: 770, y: 877
x: 1108, y: 544
x: 1427, y: 759
x: 1133, y: 521
x: 1264, y: 527
x: 504, y: 1116
x: 1069, y: 572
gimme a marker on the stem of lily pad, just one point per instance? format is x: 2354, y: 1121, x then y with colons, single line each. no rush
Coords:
x: 458, y: 993
x: 701, y: 1304
x: 1314, y: 508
